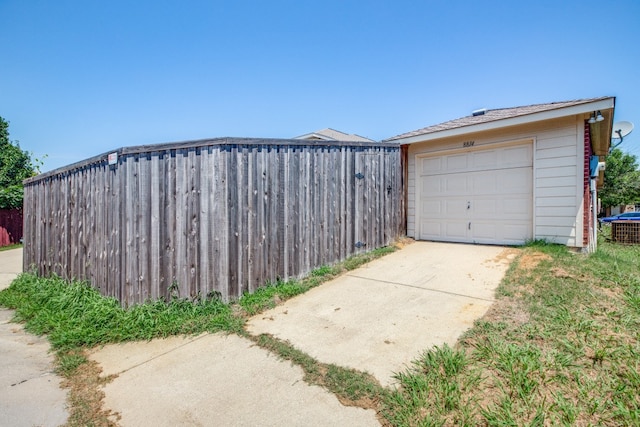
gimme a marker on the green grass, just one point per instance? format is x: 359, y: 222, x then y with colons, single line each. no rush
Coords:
x: 76, y: 315
x: 561, y: 346
x: 69, y: 361
x: 9, y: 247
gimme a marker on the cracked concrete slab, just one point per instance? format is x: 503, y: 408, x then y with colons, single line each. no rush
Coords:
x: 381, y: 316
x: 30, y: 393
x: 215, y: 379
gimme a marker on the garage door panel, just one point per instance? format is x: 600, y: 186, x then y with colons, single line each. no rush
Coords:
x: 480, y: 196
x: 517, y: 156
x: 431, y: 208
x: 432, y: 186
x: 431, y: 230
x: 455, y: 230
x: 516, y: 232
x: 431, y: 165
x: 455, y: 184
x: 484, y: 230
x: 483, y: 160
x: 455, y: 208
x: 492, y: 232
x: 483, y: 183
x: 456, y: 162
x: 486, y: 208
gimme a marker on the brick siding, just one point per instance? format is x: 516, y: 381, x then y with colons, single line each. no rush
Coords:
x: 587, y: 194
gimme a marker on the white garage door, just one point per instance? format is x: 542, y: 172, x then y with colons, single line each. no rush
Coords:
x: 480, y: 196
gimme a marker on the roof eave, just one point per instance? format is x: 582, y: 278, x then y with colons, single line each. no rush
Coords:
x: 601, y: 133
x: 603, y: 104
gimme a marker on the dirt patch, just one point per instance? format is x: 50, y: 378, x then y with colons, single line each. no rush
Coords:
x: 529, y: 261
x: 508, y: 309
x: 506, y: 256
x: 362, y: 402
x: 403, y: 241
x: 610, y: 293
x: 561, y: 273
x: 86, y: 397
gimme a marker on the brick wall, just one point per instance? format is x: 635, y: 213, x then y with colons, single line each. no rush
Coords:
x: 586, y: 235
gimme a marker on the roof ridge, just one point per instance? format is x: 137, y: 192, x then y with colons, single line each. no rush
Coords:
x: 570, y: 101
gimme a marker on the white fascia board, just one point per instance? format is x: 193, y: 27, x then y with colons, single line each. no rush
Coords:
x: 603, y: 104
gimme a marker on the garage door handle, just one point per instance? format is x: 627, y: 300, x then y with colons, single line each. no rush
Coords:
x: 468, y: 205
x: 469, y: 226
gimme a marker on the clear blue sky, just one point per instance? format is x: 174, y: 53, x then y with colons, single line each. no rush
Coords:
x: 80, y: 78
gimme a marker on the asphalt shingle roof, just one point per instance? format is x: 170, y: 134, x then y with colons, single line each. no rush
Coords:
x: 493, y: 115
x: 336, y: 135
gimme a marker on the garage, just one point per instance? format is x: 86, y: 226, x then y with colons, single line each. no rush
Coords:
x: 476, y: 195
x: 507, y: 175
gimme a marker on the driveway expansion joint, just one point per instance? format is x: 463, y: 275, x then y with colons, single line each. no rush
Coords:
x: 161, y: 354
x: 423, y: 288
x: 45, y: 374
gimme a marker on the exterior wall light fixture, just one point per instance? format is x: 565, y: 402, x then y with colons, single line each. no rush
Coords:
x: 596, y: 116
x: 599, y: 117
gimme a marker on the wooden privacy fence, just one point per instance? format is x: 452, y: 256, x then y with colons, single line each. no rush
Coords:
x: 213, y: 217
x: 10, y: 226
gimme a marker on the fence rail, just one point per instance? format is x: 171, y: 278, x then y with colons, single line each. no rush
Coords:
x: 219, y: 217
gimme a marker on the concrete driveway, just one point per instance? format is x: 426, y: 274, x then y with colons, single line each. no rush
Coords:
x: 376, y: 318
x: 383, y: 315
x: 10, y: 266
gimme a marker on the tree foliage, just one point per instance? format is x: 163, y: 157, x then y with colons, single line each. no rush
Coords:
x: 15, y: 166
x: 621, y: 180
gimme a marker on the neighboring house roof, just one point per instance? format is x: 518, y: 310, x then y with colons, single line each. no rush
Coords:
x: 329, y: 134
x: 501, y: 117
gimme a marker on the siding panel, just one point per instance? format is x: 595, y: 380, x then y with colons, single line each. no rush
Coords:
x: 557, y: 162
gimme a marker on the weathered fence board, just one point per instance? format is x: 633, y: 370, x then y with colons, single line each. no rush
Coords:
x: 214, y: 217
